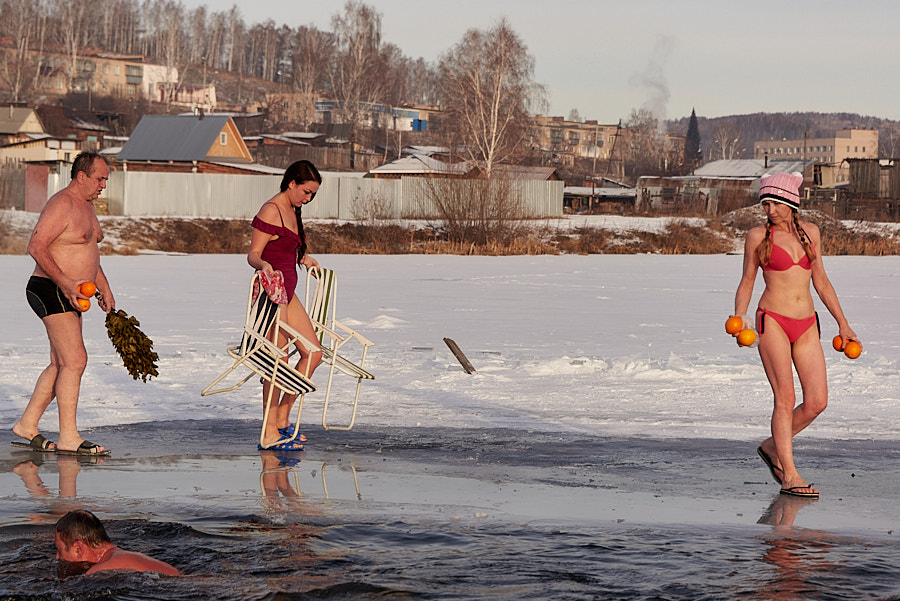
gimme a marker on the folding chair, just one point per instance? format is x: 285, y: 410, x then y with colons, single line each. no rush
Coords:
x: 321, y: 306
x: 266, y: 358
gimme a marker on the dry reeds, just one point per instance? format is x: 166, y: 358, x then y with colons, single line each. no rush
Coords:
x: 219, y: 236
x: 837, y: 239
x: 12, y: 241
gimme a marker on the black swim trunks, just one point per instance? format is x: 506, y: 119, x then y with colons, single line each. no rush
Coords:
x: 46, y: 298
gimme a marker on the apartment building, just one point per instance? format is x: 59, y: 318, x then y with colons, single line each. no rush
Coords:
x: 564, y: 141
x: 846, y: 144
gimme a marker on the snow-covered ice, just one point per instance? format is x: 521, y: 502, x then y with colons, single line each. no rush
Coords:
x: 606, y: 344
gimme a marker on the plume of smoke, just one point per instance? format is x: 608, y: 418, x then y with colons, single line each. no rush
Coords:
x: 653, y: 80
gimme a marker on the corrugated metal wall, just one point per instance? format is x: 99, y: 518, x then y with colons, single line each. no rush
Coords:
x: 143, y: 194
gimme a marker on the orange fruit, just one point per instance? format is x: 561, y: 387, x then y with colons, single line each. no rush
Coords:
x: 87, y: 288
x: 84, y: 304
x: 853, y: 349
x: 734, y: 324
x: 746, y: 337
x: 838, y: 343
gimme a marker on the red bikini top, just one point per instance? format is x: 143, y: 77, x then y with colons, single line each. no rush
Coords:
x: 780, y: 260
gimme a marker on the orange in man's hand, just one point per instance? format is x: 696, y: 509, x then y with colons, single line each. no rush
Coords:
x: 734, y: 324
x: 746, y: 337
x: 87, y: 288
x: 853, y: 349
x: 838, y: 343
x: 84, y: 304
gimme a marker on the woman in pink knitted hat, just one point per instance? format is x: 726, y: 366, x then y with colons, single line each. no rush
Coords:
x: 790, y: 254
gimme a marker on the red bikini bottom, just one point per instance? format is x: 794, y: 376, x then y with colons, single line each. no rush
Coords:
x: 794, y: 328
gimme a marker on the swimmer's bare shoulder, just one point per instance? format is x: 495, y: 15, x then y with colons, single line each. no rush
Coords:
x: 120, y: 559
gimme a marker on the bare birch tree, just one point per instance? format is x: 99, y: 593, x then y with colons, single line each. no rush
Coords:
x: 235, y: 39
x: 311, y: 53
x: 487, y: 95
x: 20, y: 22
x: 73, y: 32
x: 645, y: 153
x: 357, y: 76
x: 726, y: 141
x: 423, y: 83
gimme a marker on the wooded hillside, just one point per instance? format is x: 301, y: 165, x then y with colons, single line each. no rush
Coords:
x: 718, y: 134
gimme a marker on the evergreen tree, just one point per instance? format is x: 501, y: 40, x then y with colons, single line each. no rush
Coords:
x: 693, y: 152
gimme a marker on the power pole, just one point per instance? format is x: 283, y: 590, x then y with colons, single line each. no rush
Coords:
x: 612, y: 152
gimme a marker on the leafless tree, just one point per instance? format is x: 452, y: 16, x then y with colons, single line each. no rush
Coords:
x: 646, y: 154
x: 171, y: 46
x: 126, y: 29
x: 73, y: 32
x: 199, y: 35
x: 311, y: 51
x: 487, y: 93
x: 215, y: 40
x: 266, y: 41
x: 357, y: 78
x: 423, y: 83
x: 726, y: 141
x: 235, y: 39
x: 888, y: 140
x: 20, y: 23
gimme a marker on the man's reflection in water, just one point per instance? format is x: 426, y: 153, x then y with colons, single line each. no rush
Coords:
x: 67, y: 467
x: 798, y: 554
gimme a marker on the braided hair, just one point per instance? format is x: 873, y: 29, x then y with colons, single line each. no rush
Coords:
x: 300, y: 172
x: 764, y: 250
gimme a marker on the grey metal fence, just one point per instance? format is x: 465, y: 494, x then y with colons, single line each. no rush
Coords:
x: 142, y: 194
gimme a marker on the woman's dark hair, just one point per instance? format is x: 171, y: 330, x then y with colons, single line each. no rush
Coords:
x: 300, y: 172
x: 84, y: 526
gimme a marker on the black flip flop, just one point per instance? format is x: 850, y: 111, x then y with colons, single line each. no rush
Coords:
x: 85, y: 449
x: 794, y: 492
x: 771, y: 465
x: 38, y: 443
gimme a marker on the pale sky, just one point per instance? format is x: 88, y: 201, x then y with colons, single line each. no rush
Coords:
x: 605, y: 58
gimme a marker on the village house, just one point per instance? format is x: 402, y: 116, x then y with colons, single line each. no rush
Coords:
x: 186, y: 143
x: 716, y: 187
x: 18, y: 124
x: 41, y: 148
x: 83, y: 126
x: 107, y: 73
x: 420, y: 165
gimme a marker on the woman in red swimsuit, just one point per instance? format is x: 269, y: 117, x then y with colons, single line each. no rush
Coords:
x: 790, y: 255
x: 279, y: 244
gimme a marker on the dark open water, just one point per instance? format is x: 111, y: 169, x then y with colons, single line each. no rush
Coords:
x: 444, y: 514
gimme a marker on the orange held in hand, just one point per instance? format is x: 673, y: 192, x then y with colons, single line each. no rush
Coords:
x: 838, y: 343
x: 734, y: 324
x: 853, y: 349
x: 746, y: 337
x: 87, y: 288
x: 84, y: 304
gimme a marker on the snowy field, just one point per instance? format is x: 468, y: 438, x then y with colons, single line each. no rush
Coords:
x: 618, y: 345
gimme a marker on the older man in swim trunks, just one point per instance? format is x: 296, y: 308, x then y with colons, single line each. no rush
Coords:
x: 65, y: 249
x: 81, y: 538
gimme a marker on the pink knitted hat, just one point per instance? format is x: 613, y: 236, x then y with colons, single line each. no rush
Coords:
x: 781, y: 187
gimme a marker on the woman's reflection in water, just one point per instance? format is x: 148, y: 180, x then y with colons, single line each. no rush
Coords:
x: 798, y: 554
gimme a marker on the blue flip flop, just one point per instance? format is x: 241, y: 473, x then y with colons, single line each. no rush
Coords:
x: 287, y: 460
x: 288, y: 431
x: 283, y: 444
